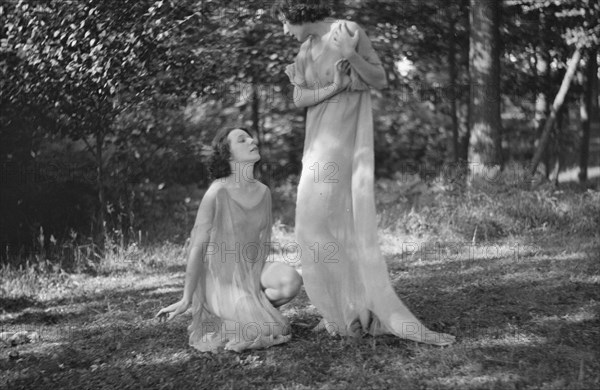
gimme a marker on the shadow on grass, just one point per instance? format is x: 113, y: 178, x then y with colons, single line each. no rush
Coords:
x: 156, y: 356
x: 15, y: 304
x: 86, y: 307
x: 520, y: 322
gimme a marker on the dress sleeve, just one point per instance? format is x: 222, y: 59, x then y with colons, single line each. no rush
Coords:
x: 204, y: 219
x: 366, y: 51
x: 365, y: 48
x: 296, y: 71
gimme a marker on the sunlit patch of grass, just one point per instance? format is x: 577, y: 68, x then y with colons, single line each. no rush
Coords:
x: 587, y: 312
x: 141, y: 260
x: 507, y: 337
x: 490, y: 381
x: 496, y: 213
x: 29, y: 282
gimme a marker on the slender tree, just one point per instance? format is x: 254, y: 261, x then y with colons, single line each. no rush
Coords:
x: 453, y: 74
x: 589, y: 107
x: 485, y: 125
x: 556, y: 106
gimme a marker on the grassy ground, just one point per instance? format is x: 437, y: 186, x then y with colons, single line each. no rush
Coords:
x: 516, y: 280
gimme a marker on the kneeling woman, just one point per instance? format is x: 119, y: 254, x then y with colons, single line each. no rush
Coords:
x: 231, y: 288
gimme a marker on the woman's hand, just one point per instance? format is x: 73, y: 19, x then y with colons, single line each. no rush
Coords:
x: 170, y: 312
x: 345, y: 41
x: 290, y: 70
x: 341, y: 79
x: 308, y: 97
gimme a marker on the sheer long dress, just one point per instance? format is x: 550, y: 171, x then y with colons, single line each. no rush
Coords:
x: 345, y: 275
x: 229, y: 307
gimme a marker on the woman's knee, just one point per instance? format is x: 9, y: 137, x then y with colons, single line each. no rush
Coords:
x: 290, y: 283
x: 282, y: 278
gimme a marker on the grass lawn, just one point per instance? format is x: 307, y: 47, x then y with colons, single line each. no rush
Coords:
x: 524, y: 304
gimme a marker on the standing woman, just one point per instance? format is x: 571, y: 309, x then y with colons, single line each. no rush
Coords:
x: 231, y: 288
x: 343, y: 270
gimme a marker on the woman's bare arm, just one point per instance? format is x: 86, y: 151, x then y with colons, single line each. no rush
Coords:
x: 306, y: 97
x: 348, y: 34
x: 374, y: 75
x: 200, y: 239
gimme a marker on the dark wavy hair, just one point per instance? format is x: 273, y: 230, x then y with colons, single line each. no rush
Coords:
x: 301, y: 11
x: 218, y: 162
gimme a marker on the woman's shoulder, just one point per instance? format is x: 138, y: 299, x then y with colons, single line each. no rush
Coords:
x: 262, y: 185
x: 266, y: 190
x: 214, y: 189
x: 216, y: 185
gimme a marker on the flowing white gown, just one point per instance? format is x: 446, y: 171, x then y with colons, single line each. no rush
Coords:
x: 345, y: 275
x: 229, y: 308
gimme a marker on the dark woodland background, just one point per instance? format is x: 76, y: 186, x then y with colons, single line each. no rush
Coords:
x: 107, y: 106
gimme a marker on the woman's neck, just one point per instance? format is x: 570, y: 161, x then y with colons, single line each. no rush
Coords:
x: 321, y: 28
x: 242, y: 175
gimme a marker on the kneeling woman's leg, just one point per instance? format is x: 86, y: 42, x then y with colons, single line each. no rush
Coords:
x: 280, y: 282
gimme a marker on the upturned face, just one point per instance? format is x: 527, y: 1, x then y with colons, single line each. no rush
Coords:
x: 242, y: 146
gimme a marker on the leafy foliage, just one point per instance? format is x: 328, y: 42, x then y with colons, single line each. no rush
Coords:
x: 128, y: 94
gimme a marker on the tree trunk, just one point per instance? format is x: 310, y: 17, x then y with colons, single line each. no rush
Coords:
x: 588, y: 107
x: 485, y: 142
x: 544, y: 81
x: 100, y: 222
x: 542, y: 108
x: 256, y: 113
x: 558, y: 102
x: 556, y: 151
x: 453, y: 90
x: 464, y: 143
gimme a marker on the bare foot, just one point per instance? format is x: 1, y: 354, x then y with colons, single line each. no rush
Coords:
x: 431, y: 337
x: 413, y: 329
x: 320, y: 326
x: 330, y: 327
x: 355, y: 328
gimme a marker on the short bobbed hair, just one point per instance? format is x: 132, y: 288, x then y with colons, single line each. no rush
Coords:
x: 301, y: 11
x: 218, y: 162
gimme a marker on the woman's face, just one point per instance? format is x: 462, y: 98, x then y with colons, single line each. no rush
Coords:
x: 296, y: 30
x: 242, y: 146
